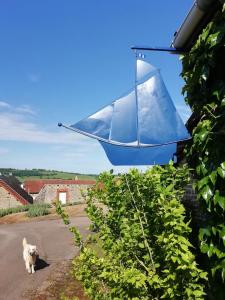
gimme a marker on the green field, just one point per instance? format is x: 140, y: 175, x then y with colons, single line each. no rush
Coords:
x: 45, y: 174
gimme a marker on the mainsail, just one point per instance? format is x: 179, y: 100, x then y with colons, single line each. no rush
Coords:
x: 140, y: 128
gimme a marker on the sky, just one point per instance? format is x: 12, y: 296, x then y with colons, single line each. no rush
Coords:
x: 62, y: 60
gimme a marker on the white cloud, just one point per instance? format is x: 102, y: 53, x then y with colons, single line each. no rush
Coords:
x: 4, y: 105
x: 15, y: 126
x: 36, y: 146
x: 25, y: 109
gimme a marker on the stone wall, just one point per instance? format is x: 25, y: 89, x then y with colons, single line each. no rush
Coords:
x: 190, y: 200
x: 7, y: 200
x: 193, y: 207
x: 196, y: 213
x: 50, y: 192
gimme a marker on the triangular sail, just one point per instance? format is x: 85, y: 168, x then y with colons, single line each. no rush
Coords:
x: 143, y: 69
x: 159, y: 121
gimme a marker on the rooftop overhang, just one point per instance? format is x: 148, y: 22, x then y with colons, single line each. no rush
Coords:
x: 197, y: 18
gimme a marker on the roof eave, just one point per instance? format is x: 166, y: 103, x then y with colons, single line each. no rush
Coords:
x: 199, y: 15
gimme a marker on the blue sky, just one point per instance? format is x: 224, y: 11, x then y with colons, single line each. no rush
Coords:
x: 63, y: 60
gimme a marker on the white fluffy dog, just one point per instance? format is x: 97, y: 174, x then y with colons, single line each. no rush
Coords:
x: 30, y: 254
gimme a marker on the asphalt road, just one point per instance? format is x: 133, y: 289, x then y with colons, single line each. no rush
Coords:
x: 54, y: 243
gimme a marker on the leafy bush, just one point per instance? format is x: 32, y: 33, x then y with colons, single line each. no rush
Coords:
x: 143, y: 236
x: 37, y: 210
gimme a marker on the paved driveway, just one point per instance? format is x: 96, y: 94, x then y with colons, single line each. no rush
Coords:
x: 54, y: 242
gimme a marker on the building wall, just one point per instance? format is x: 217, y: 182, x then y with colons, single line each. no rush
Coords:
x: 194, y: 207
x: 7, y: 200
x: 50, y: 192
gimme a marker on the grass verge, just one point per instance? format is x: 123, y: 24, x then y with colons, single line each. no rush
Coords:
x: 13, y: 210
x: 32, y: 209
x: 37, y: 210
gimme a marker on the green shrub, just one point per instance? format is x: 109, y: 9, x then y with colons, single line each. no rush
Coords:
x: 37, y: 210
x: 143, y: 238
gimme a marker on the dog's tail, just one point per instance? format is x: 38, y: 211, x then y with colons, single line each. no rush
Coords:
x: 24, y: 242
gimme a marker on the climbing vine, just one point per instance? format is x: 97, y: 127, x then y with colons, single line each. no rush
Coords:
x: 140, y: 249
x: 204, y: 90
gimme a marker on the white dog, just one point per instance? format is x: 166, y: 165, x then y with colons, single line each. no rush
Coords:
x: 30, y: 254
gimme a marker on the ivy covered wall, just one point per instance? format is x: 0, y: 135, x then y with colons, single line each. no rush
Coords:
x: 204, y: 90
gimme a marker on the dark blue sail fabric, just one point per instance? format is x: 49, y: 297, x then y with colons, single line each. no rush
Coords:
x: 140, y: 128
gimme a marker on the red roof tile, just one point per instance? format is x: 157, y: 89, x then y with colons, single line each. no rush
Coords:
x: 34, y: 186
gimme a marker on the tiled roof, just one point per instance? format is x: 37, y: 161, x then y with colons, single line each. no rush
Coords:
x: 34, y: 186
x: 12, y: 185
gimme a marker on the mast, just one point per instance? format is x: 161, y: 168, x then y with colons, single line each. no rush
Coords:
x: 136, y: 98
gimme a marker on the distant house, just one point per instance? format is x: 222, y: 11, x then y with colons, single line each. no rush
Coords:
x: 11, y: 193
x: 49, y: 190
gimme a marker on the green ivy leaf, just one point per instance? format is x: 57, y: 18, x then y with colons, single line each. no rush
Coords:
x: 206, y: 193
x: 210, y: 250
x: 221, y: 172
x: 202, y: 182
x: 203, y: 135
x: 204, y: 247
x: 216, y: 94
x: 204, y: 232
x: 220, y: 200
x: 214, y: 230
x: 213, y: 270
x: 213, y: 177
x: 214, y: 38
x: 222, y: 233
x: 223, y: 274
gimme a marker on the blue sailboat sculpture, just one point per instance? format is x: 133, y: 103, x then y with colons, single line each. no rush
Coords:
x: 141, y: 128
